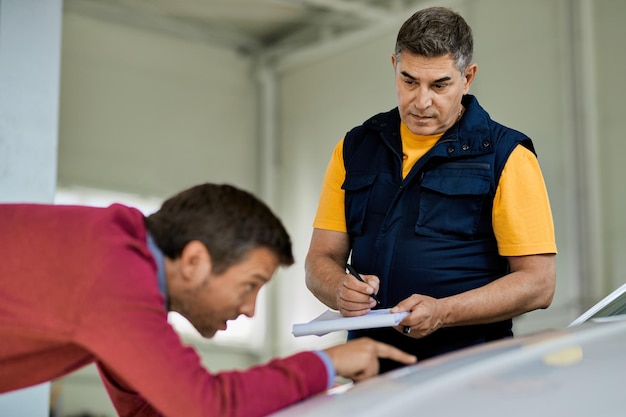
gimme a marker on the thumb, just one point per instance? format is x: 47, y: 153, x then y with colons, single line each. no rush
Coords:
x: 405, y: 305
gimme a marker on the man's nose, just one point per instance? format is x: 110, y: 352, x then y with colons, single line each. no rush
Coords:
x: 422, y: 99
x: 248, y: 307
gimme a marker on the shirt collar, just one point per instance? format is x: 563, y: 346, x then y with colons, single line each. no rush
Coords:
x: 160, y: 261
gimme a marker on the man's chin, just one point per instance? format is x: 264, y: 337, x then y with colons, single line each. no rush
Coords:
x: 208, y: 333
x: 423, y: 129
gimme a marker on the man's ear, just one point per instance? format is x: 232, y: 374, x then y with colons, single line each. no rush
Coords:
x: 470, y: 74
x: 195, y: 262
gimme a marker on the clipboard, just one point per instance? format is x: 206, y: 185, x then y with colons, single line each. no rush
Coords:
x: 333, y: 321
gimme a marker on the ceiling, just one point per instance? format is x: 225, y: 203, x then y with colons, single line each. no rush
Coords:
x: 248, y: 26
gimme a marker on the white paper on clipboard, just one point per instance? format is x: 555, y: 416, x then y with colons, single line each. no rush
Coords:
x: 333, y: 321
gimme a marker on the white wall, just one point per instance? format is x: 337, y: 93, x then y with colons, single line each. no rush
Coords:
x: 609, y: 33
x: 152, y: 114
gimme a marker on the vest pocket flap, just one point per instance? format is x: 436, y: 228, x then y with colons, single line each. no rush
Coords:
x: 456, y: 185
x: 358, y: 181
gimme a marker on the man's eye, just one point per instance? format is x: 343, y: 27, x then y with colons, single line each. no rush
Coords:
x: 439, y: 86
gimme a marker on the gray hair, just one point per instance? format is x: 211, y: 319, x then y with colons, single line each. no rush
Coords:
x: 435, y: 32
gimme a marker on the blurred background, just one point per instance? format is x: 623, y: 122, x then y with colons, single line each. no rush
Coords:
x: 131, y: 101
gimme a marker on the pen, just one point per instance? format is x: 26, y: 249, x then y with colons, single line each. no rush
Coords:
x: 357, y: 276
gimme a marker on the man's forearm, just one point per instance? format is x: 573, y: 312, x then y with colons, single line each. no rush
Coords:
x: 519, y: 292
x: 325, y: 264
x: 322, y: 279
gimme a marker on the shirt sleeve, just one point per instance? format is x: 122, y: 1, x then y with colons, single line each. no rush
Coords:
x: 522, y: 218
x: 330, y: 210
x: 330, y: 368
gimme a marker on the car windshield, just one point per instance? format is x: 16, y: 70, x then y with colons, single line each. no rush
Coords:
x: 613, y: 304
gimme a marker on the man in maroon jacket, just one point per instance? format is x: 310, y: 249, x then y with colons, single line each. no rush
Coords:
x: 84, y: 284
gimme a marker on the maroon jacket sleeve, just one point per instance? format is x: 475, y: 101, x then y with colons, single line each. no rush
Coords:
x: 255, y: 392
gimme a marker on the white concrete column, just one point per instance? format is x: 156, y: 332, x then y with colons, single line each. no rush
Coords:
x: 30, y: 49
x: 30, y: 54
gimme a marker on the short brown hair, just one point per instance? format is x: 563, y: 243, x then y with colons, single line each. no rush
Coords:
x: 228, y: 221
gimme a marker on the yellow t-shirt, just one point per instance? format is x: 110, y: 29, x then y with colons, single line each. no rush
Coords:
x: 521, y: 217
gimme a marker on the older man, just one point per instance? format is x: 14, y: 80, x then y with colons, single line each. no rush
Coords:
x: 443, y: 211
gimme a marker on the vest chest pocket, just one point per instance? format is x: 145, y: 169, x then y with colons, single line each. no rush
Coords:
x: 358, y: 188
x: 452, y: 200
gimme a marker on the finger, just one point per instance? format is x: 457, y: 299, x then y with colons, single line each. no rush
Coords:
x: 368, y: 372
x: 405, y: 330
x: 361, y: 287
x: 352, y: 287
x: 355, y: 309
x: 353, y: 313
x: 354, y: 301
x: 358, y: 299
x: 373, y: 282
x: 407, y: 304
x: 415, y: 331
x: 386, y: 351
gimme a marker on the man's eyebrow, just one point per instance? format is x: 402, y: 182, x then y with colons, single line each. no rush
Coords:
x: 263, y: 278
x: 440, y: 80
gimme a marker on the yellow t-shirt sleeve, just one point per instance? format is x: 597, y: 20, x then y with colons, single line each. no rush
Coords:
x: 522, y: 218
x: 330, y: 209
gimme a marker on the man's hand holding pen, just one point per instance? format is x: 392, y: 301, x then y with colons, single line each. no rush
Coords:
x: 357, y: 296
x: 357, y: 293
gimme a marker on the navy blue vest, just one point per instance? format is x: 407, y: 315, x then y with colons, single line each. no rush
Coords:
x: 429, y: 233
